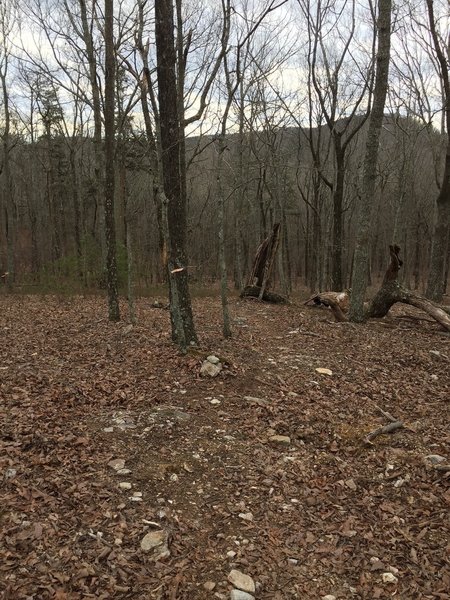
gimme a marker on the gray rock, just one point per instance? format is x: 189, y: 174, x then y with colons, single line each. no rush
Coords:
x: 257, y: 401
x: 156, y: 542
x: 241, y: 581
x: 435, y: 459
x: 210, y: 369
x: 117, y: 464
x: 240, y: 595
x: 214, y: 360
x: 283, y: 440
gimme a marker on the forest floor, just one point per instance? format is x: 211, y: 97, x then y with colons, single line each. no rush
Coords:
x: 323, y: 513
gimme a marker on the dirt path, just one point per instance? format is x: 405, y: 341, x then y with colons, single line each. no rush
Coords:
x: 321, y: 513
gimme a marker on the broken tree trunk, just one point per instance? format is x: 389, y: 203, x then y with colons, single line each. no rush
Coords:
x: 390, y: 293
x: 258, y: 283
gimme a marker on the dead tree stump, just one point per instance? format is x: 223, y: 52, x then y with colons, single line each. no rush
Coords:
x: 258, y: 283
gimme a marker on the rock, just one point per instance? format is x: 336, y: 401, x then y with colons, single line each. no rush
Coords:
x: 240, y: 595
x: 328, y: 597
x: 292, y: 561
x: 125, y: 485
x: 10, y: 473
x: 323, y: 371
x: 116, y: 464
x: 214, y: 402
x: 389, y: 578
x: 156, y: 542
x: 283, y: 440
x: 434, y: 377
x: 171, y: 413
x: 435, y: 352
x: 210, y: 369
x: 351, y: 484
x: 435, y: 459
x: 123, y: 471
x: 241, y: 581
x: 108, y: 429
x: 128, y: 329
x: 214, y: 360
x: 209, y: 585
x: 231, y: 553
x: 246, y: 516
x: 257, y: 401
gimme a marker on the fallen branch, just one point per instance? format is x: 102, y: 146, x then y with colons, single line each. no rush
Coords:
x: 385, y: 429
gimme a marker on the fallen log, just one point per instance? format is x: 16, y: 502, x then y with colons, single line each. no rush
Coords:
x: 390, y: 292
x: 254, y: 291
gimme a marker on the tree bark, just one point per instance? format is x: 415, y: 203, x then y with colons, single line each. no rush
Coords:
x: 110, y: 225
x: 361, y: 258
x: 440, y: 243
x: 183, y: 330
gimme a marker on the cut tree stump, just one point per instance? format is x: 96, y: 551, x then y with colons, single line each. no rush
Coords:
x: 258, y: 283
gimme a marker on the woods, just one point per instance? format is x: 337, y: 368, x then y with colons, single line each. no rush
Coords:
x: 224, y: 310
x: 273, y: 106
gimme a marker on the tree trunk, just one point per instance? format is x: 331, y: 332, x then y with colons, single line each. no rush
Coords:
x: 110, y: 225
x: 361, y: 259
x: 183, y: 330
x: 440, y: 243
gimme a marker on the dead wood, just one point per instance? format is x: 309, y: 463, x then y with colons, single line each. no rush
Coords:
x: 390, y: 292
x: 254, y: 291
x: 385, y: 429
x: 258, y: 282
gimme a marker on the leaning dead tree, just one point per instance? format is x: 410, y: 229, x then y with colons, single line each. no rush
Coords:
x: 258, y: 283
x: 390, y: 292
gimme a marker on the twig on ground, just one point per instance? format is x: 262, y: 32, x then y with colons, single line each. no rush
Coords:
x: 385, y: 429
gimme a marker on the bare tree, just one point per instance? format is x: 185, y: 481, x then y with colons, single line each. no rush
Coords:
x: 110, y: 225
x: 361, y: 258
x: 441, y: 245
x: 183, y: 329
x: 7, y: 16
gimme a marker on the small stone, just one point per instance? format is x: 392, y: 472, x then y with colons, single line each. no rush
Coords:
x: 209, y: 369
x: 283, y: 440
x: 434, y: 377
x: 135, y: 499
x: 435, y: 352
x: 435, y: 459
x: 323, y: 371
x: 329, y: 597
x: 137, y: 494
x: 156, y: 541
x: 209, y: 585
x: 351, y: 484
x: 292, y: 561
x: 214, y: 402
x: 173, y: 477
x: 214, y: 360
x: 246, y: 516
x: 123, y: 471
x: 125, y: 485
x: 393, y: 570
x: 240, y: 595
x: 10, y: 473
x: 389, y: 578
x: 231, y: 553
x: 241, y: 581
x: 257, y: 401
x: 108, y: 429
x: 116, y: 464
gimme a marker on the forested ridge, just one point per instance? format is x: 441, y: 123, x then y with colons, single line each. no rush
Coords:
x: 273, y: 101
x: 59, y: 228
